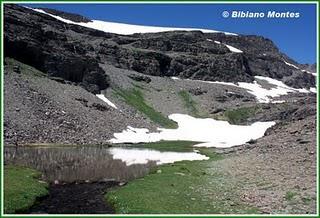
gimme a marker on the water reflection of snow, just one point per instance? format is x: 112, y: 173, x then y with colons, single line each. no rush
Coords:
x: 142, y: 156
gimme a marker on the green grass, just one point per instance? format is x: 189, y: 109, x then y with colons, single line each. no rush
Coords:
x: 306, y: 200
x: 177, y: 146
x: 239, y: 115
x: 21, y: 188
x: 139, y: 86
x: 290, y: 195
x: 25, y: 69
x: 180, y: 188
x: 189, y: 103
x: 134, y: 97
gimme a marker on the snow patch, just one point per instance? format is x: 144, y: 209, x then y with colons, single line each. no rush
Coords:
x: 103, y: 98
x: 233, y: 49
x: 313, y: 90
x: 306, y: 71
x: 54, y: 16
x: 213, y: 133
x: 292, y: 65
x: 175, y: 78
x: 278, y: 101
x: 142, y: 156
x: 218, y: 82
x: 126, y: 29
x: 263, y: 95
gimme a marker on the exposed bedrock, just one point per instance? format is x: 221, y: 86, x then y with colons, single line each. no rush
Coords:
x: 74, y: 52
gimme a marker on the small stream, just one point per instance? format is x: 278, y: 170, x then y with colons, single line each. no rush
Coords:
x: 80, y: 176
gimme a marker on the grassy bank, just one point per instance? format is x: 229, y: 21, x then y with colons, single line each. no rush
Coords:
x: 189, y: 103
x: 23, y: 68
x: 183, y: 187
x: 21, y: 188
x: 177, y: 146
x: 239, y: 115
x: 134, y: 97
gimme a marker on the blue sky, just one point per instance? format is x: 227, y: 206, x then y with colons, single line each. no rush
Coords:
x: 294, y: 36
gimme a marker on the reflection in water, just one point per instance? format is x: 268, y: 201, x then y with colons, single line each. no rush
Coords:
x: 143, y: 156
x: 70, y: 164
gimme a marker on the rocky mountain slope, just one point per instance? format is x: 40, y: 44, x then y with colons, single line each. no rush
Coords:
x: 69, y: 56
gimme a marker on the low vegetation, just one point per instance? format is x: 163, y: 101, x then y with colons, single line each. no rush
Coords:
x: 180, y: 188
x: 306, y: 200
x: 178, y: 146
x: 21, y: 188
x: 134, y: 97
x: 239, y: 115
x: 19, y: 67
x: 290, y: 195
x: 189, y: 103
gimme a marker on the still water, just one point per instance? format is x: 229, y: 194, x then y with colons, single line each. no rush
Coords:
x: 72, y: 164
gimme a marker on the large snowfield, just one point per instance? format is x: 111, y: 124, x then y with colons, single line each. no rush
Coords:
x: 213, y: 133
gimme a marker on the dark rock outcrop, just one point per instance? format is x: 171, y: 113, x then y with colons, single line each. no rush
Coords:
x: 197, y: 91
x: 140, y: 78
x: 309, y: 67
x: 301, y: 80
x: 39, y: 40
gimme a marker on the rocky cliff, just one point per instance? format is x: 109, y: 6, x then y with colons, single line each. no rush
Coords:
x: 74, y: 52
